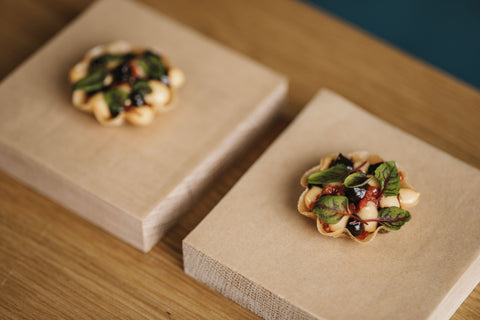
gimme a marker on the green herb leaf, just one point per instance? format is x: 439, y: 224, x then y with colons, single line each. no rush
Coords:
x: 388, y: 178
x: 333, y: 174
x: 330, y: 209
x: 102, y: 60
x: 356, y: 179
x: 92, y: 82
x: 141, y: 86
x: 393, y: 217
x: 152, y: 65
x: 115, y: 99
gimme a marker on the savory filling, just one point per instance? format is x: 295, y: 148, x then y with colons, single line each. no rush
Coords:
x: 119, y: 83
x: 359, y: 197
x: 124, y: 79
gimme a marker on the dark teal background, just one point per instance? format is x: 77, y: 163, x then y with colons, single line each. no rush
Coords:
x: 445, y: 33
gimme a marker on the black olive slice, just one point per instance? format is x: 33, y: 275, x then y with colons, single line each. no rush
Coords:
x: 129, y: 56
x: 165, y: 80
x: 343, y: 160
x: 373, y: 167
x: 355, y: 194
x: 137, y: 99
x: 355, y: 227
x: 122, y: 73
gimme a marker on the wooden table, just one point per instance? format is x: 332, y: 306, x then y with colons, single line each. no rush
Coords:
x: 53, y: 264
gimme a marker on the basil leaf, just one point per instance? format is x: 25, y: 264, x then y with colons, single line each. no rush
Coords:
x: 152, y: 65
x: 332, y: 174
x: 141, y: 86
x: 393, y: 217
x: 356, y: 179
x: 92, y: 82
x: 330, y: 209
x: 115, y: 99
x: 388, y: 178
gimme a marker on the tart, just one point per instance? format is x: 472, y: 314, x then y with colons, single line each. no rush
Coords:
x: 356, y: 196
x: 119, y: 83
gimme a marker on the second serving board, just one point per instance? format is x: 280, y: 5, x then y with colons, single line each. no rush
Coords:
x: 255, y: 248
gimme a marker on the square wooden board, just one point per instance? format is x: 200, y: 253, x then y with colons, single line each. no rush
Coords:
x: 255, y: 248
x: 133, y: 182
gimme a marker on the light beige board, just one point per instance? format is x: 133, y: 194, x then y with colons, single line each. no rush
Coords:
x: 255, y: 248
x: 134, y: 182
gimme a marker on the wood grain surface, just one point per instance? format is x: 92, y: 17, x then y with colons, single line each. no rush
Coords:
x: 91, y: 170
x: 53, y: 264
x: 276, y: 263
